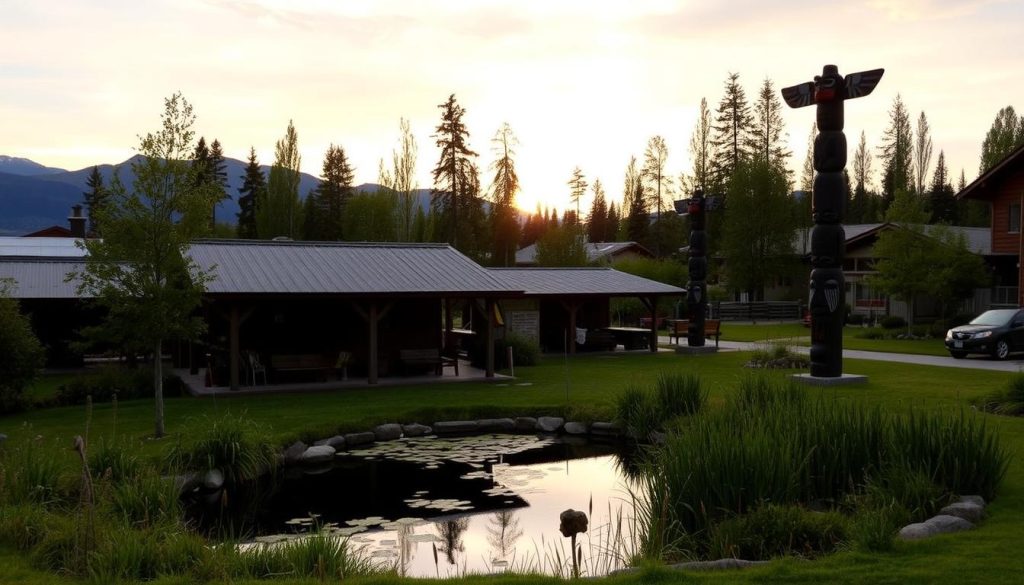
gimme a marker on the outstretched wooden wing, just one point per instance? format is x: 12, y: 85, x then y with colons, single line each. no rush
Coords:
x: 862, y: 83
x: 799, y: 96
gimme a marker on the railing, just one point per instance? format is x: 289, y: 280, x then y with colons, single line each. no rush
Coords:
x: 757, y: 311
x: 1004, y: 295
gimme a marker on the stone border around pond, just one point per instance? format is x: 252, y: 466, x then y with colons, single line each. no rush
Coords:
x: 323, y: 450
x: 956, y: 517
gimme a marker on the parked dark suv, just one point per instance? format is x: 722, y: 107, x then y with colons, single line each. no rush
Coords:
x: 997, y: 333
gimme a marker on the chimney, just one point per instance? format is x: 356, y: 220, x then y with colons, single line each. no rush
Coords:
x: 77, y: 222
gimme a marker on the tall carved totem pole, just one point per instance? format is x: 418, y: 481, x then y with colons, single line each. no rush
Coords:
x: 828, y: 201
x: 696, y: 297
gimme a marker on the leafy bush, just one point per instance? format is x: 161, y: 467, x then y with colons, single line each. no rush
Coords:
x: 771, y: 531
x: 22, y: 354
x: 524, y: 351
x: 126, y: 383
x: 892, y: 322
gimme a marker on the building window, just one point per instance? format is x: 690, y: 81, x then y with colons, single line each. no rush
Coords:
x: 1013, y: 225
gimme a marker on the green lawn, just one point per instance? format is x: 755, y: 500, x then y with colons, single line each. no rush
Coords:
x: 986, y: 555
x: 797, y: 334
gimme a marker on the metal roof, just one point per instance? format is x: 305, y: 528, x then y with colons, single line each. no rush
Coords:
x: 979, y: 239
x: 41, y: 278
x: 48, y: 247
x: 581, y: 281
x: 595, y: 251
x: 286, y: 267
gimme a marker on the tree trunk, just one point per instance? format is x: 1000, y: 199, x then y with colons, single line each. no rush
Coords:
x: 158, y: 388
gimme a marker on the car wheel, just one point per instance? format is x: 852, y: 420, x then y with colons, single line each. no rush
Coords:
x: 1001, y: 350
x: 958, y: 354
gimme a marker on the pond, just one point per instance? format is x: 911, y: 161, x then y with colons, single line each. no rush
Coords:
x: 444, y: 507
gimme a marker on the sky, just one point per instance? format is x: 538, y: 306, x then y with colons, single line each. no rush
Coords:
x: 581, y: 82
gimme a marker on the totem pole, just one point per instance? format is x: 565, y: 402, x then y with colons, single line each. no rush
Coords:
x: 696, y: 300
x: 828, y: 200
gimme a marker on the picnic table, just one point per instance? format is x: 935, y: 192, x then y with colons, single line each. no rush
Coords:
x: 631, y: 337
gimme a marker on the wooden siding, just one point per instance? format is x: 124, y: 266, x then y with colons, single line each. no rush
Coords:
x: 1007, y: 192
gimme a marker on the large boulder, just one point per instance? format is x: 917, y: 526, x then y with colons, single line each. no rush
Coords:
x: 526, y: 424
x: 495, y: 425
x: 293, y: 452
x: 941, y: 524
x: 364, y: 438
x: 416, y: 430
x: 550, y: 424
x: 213, y: 480
x: 976, y: 500
x: 455, y: 427
x: 317, y: 454
x: 605, y: 429
x: 576, y: 428
x: 388, y: 432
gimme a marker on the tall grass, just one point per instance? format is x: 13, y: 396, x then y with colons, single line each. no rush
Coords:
x: 234, y: 444
x: 774, y: 445
x: 1008, y: 400
x: 29, y: 473
x: 641, y: 411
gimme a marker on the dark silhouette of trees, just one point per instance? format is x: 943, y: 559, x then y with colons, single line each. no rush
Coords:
x: 731, y: 130
x: 95, y: 198
x: 504, y: 217
x: 768, y: 131
x: 280, y: 213
x: 577, y: 187
x: 1005, y: 135
x: 455, y: 196
x: 896, y: 152
x: 659, y: 183
x: 253, y: 190
x: 599, y: 228
x: 941, y: 198
x: 325, y: 205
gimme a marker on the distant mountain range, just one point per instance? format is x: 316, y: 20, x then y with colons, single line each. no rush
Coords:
x: 33, y: 196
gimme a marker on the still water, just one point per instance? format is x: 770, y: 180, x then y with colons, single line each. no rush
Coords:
x: 446, y: 507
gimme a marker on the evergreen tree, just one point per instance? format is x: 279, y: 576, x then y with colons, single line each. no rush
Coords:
x: 327, y: 202
x: 280, y: 213
x: 455, y: 196
x: 702, y: 151
x: 659, y: 183
x: 597, y: 221
x: 922, y: 154
x: 897, y: 152
x: 562, y: 246
x: 859, y: 211
x: 732, y: 130
x: 577, y: 187
x: 637, y: 218
x: 536, y: 225
x: 504, y: 219
x: 767, y: 134
x: 218, y: 174
x: 253, y: 190
x: 1005, y: 135
x: 807, y: 171
x: 941, y: 198
x: 614, y: 221
x: 95, y: 198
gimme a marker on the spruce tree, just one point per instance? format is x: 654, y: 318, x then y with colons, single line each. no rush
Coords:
x: 577, y: 187
x: 767, y: 134
x: 95, y: 198
x: 455, y: 196
x: 941, y: 198
x: 731, y: 130
x: 597, y: 221
x: 218, y: 175
x: 253, y: 190
x: 504, y: 220
x: 896, y: 152
x: 330, y: 197
x: 702, y: 150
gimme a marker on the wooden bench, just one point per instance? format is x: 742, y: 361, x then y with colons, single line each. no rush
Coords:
x: 301, y: 363
x: 419, y: 358
x: 680, y: 329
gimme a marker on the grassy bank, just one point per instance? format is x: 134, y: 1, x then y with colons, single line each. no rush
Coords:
x: 985, y: 555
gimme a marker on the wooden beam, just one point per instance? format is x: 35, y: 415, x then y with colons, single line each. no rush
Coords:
x: 372, y: 318
x: 572, y: 307
x: 653, y: 343
x: 490, y: 338
x: 235, y: 320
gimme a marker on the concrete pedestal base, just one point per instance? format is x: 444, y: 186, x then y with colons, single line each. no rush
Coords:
x: 687, y: 350
x: 844, y: 380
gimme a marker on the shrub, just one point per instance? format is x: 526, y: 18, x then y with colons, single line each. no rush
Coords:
x: 126, y: 383
x: 524, y: 351
x: 778, y: 355
x: 893, y: 322
x: 22, y: 354
x: 772, y: 530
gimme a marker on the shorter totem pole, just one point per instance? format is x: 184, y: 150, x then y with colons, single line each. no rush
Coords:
x: 696, y: 288
x: 828, y: 200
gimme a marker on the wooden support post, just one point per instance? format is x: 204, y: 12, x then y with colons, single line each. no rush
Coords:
x: 652, y: 305
x: 373, y: 343
x: 572, y: 307
x: 490, y: 337
x: 234, y: 346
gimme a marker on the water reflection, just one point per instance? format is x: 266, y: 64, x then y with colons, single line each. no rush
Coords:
x: 489, y: 506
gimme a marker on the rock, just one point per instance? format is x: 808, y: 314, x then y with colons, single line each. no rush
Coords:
x: 213, y: 480
x: 453, y: 427
x: 576, y: 428
x: 572, y: 522
x: 388, y: 432
x: 495, y: 425
x: 978, y: 500
x: 967, y: 510
x: 317, y: 454
x: 550, y: 424
x: 187, y: 482
x: 337, y: 441
x: 364, y: 438
x: 716, y: 565
x: 292, y: 453
x: 605, y: 429
x: 526, y: 424
x: 416, y: 430
x: 941, y: 524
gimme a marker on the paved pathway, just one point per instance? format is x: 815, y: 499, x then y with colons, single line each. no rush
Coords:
x: 1016, y: 364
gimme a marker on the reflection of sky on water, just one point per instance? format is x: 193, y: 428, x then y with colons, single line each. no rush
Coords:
x: 517, y: 536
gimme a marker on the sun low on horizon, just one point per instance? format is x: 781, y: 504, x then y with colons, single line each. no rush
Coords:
x: 581, y: 84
